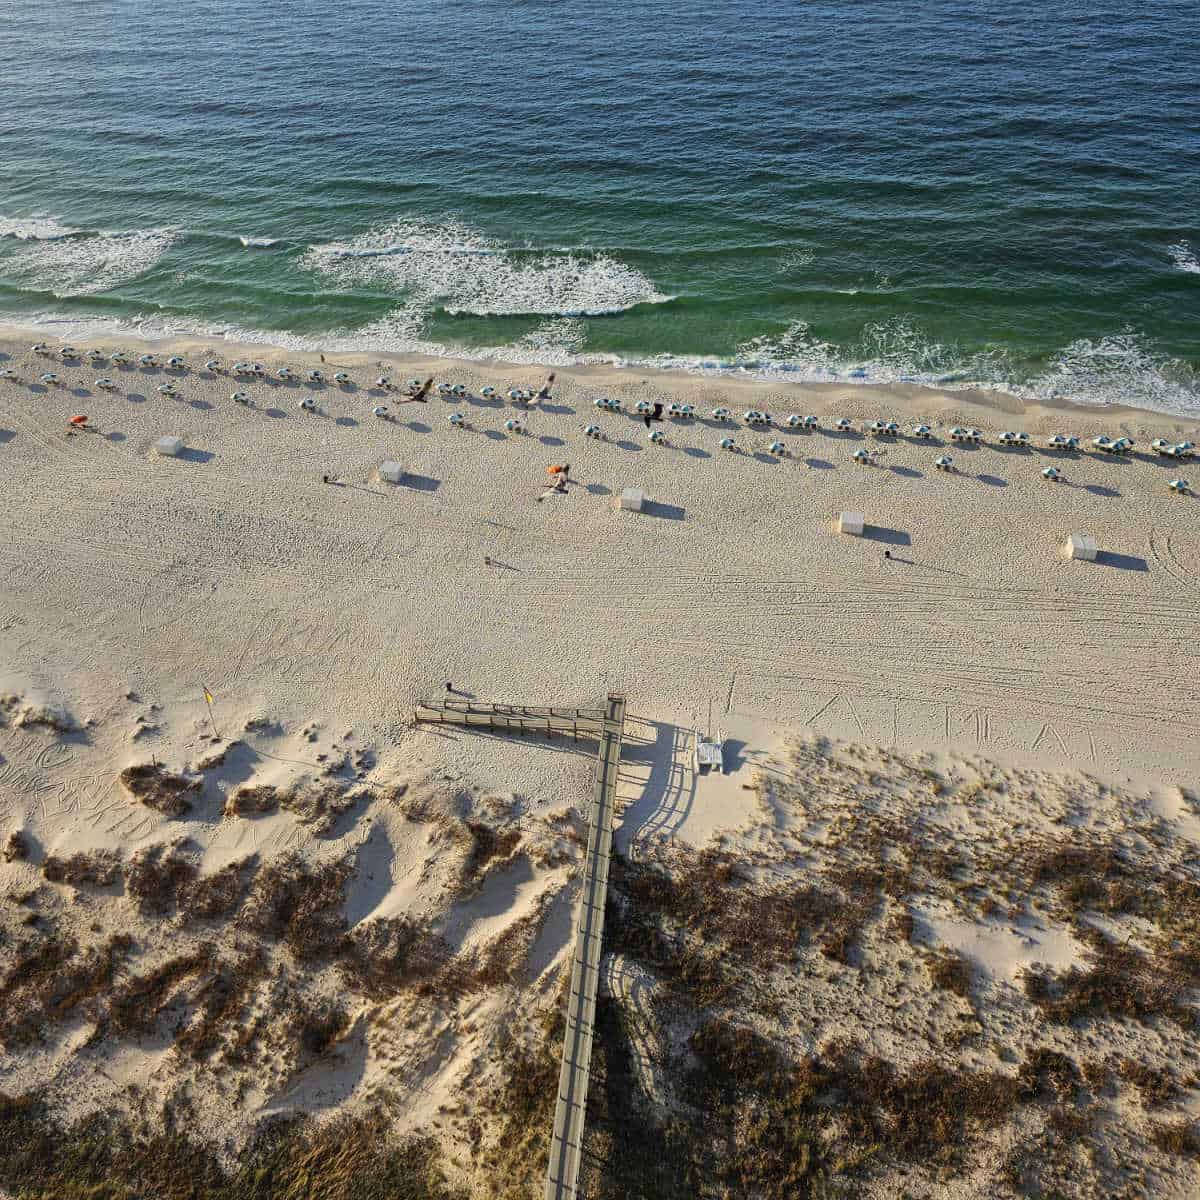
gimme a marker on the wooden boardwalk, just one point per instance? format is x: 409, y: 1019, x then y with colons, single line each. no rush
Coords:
x: 608, y: 726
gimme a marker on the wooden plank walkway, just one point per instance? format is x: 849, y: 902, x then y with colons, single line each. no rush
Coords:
x: 516, y: 718
x: 608, y: 726
x: 566, y: 1143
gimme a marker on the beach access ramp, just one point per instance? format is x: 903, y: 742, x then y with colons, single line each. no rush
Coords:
x: 607, y: 726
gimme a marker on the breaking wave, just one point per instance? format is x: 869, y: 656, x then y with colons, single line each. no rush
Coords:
x: 1184, y: 257
x: 465, y: 273
x: 68, y: 262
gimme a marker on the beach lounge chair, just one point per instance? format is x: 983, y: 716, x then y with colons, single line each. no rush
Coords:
x: 861, y: 456
x: 457, y: 420
x: 874, y: 428
x: 118, y: 358
x: 175, y: 363
x: 1180, y: 486
x: 727, y: 443
x: 487, y: 393
x: 340, y: 377
x: 308, y: 404
x: 285, y: 374
x: 944, y: 463
x: 167, y: 390
x: 11, y: 375
x: 643, y: 406
x: 381, y: 411
x: 674, y: 410
x: 793, y: 421
x: 593, y: 431
x: 314, y: 377
x: 147, y: 360
x: 515, y: 425
x: 922, y: 431
x: 844, y: 425
x: 809, y: 422
x: 975, y: 435
x: 68, y: 352
x: 958, y: 434
x: 49, y: 378
x: 778, y: 449
x: 721, y: 414
x: 93, y: 355
x: 213, y: 365
x: 1053, y: 474
x: 1102, y: 443
x: 40, y: 348
x: 658, y: 437
x: 240, y: 397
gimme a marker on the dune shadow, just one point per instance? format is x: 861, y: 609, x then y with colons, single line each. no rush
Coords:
x: 890, y: 537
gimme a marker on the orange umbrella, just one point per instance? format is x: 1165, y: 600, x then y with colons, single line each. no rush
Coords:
x: 79, y: 420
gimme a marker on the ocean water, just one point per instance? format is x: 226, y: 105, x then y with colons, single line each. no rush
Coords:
x: 959, y: 191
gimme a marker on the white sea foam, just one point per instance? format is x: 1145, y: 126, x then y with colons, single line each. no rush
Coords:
x: 1121, y: 369
x: 258, y: 243
x: 88, y: 264
x: 464, y: 272
x: 1124, y: 369
x: 35, y: 229
x: 1184, y: 257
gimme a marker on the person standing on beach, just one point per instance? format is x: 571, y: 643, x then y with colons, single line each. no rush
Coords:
x: 656, y: 415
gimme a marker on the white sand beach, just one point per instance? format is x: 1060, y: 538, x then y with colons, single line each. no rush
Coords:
x: 318, y: 615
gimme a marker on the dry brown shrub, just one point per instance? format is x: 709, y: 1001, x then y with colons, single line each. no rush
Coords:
x: 157, y: 788
x: 1046, y: 1069
x: 154, y: 875
x: 951, y: 972
x: 389, y: 955
x: 487, y: 844
x: 219, y: 1008
x: 1155, y: 1085
x: 1119, y: 982
x: 218, y: 894
x: 51, y: 979
x: 99, y: 868
x: 261, y: 798
x: 1178, y: 1137
x: 299, y: 905
x: 16, y: 849
x: 135, y: 1006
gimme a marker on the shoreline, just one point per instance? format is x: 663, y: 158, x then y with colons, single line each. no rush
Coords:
x: 966, y: 405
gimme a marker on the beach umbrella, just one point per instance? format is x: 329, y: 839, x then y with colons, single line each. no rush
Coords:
x: 727, y: 444
x: 40, y: 348
x: 79, y: 420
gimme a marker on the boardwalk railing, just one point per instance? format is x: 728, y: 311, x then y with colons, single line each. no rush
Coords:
x: 608, y: 726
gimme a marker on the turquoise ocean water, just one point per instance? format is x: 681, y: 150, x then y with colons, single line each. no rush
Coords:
x: 974, y: 191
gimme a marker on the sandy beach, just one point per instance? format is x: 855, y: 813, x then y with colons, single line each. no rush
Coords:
x: 953, y: 642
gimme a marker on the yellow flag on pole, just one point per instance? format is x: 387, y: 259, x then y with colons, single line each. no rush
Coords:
x: 208, y: 696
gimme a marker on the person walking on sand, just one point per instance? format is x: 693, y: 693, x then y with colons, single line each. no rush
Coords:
x: 544, y: 394
x: 656, y: 415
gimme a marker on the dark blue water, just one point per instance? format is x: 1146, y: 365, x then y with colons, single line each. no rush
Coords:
x: 960, y: 192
